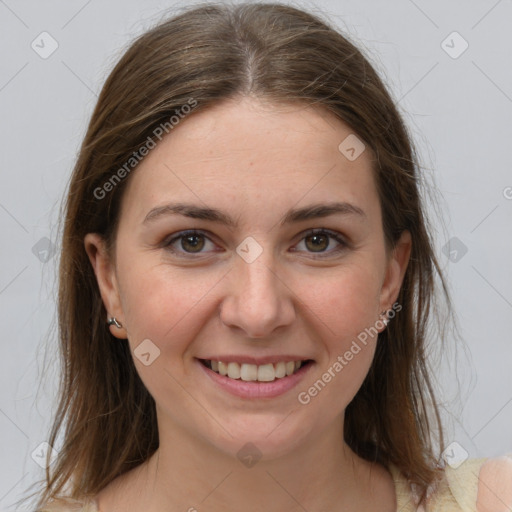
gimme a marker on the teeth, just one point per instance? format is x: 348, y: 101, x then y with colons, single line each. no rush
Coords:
x: 248, y: 371
x: 233, y: 370
x: 280, y: 370
x: 266, y: 373
x: 223, y: 368
x: 253, y: 372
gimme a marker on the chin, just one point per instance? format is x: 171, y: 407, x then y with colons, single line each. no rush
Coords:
x: 263, y: 438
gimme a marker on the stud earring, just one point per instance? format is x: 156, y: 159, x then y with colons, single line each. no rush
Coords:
x: 384, y: 316
x: 113, y: 321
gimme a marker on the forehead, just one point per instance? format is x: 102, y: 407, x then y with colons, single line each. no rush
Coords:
x: 255, y: 155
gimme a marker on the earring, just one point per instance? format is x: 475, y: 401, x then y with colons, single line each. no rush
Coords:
x: 113, y: 321
x: 385, y: 320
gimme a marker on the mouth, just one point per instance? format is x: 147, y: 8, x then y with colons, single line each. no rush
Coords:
x: 256, y: 381
x: 247, y: 372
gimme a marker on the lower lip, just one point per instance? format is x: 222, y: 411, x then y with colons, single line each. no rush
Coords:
x: 253, y: 389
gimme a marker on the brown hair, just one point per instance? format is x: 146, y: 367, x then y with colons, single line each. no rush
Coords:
x: 213, y: 53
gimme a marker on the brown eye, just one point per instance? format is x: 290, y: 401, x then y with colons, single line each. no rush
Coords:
x: 317, y: 242
x: 321, y: 242
x: 192, y: 243
x: 189, y: 243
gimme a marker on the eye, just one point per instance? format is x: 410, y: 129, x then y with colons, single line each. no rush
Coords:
x: 318, y: 241
x: 188, y: 242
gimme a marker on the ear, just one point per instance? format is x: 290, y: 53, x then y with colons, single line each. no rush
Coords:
x: 395, y: 271
x: 96, y: 249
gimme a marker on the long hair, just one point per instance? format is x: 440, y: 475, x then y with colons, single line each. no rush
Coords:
x: 211, y: 53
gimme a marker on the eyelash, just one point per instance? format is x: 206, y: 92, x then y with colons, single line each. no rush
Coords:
x: 318, y: 231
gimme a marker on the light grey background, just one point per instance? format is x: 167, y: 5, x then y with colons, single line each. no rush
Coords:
x: 458, y: 109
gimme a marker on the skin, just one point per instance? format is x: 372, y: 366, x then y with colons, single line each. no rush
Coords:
x: 254, y: 161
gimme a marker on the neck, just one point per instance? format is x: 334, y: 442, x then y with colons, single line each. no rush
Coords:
x: 187, y: 473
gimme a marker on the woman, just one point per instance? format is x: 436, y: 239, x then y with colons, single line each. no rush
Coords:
x: 245, y: 285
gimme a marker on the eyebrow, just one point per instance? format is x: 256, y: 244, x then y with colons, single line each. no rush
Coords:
x: 313, y: 211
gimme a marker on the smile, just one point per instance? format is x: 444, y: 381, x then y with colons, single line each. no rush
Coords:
x: 252, y: 372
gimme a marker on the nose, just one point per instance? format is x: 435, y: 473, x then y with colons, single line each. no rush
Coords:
x: 258, y: 301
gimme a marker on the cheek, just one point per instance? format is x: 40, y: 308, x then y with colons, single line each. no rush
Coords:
x: 344, y: 301
x: 169, y: 308
x: 342, y: 309
x: 165, y: 304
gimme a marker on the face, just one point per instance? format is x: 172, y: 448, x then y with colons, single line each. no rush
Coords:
x: 247, y: 237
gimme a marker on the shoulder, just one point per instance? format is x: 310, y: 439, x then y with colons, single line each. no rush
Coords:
x: 476, y: 485
x: 70, y: 505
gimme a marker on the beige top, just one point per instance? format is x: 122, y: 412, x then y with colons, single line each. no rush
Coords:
x: 477, y: 485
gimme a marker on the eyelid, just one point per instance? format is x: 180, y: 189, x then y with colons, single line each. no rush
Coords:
x: 338, y: 237
x: 335, y: 235
x: 166, y: 244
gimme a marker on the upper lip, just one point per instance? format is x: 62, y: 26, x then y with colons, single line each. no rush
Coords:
x: 256, y: 360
